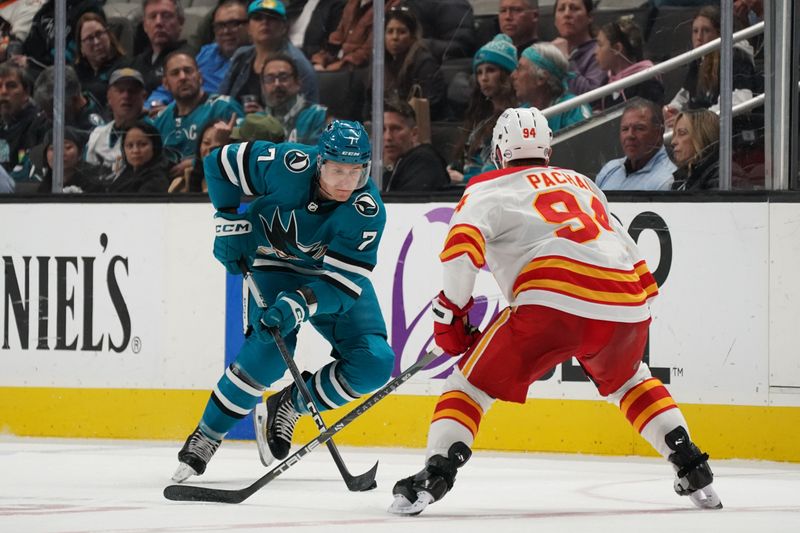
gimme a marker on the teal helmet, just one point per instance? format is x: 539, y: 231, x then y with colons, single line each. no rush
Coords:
x: 346, y: 141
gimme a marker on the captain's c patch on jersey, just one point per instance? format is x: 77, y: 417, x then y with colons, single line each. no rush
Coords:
x: 366, y: 205
x: 296, y: 161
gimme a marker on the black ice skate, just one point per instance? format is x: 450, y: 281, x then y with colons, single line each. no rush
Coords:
x: 274, y: 425
x: 195, y: 455
x: 413, y: 494
x: 693, y: 475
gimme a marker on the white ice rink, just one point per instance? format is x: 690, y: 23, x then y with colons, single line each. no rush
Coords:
x: 116, y: 486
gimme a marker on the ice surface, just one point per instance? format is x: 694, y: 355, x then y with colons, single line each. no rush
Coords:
x: 56, y: 485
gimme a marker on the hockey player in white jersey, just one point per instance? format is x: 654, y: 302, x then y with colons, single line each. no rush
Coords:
x: 576, y: 286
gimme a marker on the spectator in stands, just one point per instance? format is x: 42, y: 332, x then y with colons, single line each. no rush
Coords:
x: 574, y: 25
x: 39, y: 46
x: 646, y: 165
x: 19, y: 16
x: 310, y: 23
x: 268, y: 30
x: 448, y: 27
x: 519, y: 19
x: 79, y: 176
x: 145, y: 167
x: 540, y: 81
x: 620, y: 52
x: 350, y: 44
x: 230, y: 33
x: 748, y: 12
x: 701, y: 86
x: 303, y: 121
x: 408, y: 63
x: 125, y: 96
x: 7, y: 183
x: 80, y: 110
x: 408, y: 164
x: 99, y: 54
x: 492, y: 66
x: 179, y: 122
x: 695, y: 150
x: 162, y: 21
x: 20, y: 127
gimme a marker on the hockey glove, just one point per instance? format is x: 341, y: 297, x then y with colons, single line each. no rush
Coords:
x: 451, y: 328
x: 233, y: 239
x: 286, y: 314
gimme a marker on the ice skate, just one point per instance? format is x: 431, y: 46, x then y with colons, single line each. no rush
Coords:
x: 195, y: 455
x: 274, y: 424
x: 413, y: 494
x: 693, y: 475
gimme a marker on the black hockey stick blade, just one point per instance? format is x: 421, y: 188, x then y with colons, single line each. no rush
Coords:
x: 193, y: 493
x: 360, y: 483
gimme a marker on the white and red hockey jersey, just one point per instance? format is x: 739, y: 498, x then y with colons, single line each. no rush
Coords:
x: 547, y: 237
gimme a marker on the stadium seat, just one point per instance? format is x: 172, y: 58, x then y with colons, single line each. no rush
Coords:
x: 486, y: 27
x: 444, y: 136
x: 123, y: 29
x: 129, y: 10
x: 668, y: 32
x: 337, y: 92
x: 603, y: 15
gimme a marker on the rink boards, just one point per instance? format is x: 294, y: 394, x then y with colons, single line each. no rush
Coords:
x: 117, y: 322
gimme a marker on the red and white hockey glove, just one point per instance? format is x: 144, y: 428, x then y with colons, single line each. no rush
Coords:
x: 451, y: 328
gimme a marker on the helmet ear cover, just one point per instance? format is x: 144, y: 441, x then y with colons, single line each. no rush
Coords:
x: 521, y: 133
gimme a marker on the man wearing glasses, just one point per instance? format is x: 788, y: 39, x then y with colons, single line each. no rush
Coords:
x: 519, y: 19
x: 303, y: 121
x: 230, y: 32
x: 269, y: 32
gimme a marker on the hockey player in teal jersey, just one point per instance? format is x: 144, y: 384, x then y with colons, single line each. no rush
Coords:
x: 311, y: 238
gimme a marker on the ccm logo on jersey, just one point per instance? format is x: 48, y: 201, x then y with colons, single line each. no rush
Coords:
x: 233, y: 228
x: 366, y: 205
x: 296, y: 161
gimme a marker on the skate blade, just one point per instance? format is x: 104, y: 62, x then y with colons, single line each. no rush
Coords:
x: 401, y: 505
x: 706, y: 498
x: 183, y: 473
x: 260, y: 427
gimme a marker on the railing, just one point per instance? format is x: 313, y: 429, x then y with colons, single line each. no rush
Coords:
x: 665, y: 66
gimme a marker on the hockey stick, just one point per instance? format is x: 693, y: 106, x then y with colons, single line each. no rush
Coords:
x: 360, y: 483
x: 189, y: 493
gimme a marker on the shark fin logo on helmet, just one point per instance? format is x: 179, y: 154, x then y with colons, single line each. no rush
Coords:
x: 366, y: 205
x: 296, y: 161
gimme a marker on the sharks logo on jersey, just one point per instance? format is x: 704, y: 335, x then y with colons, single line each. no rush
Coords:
x: 366, y: 205
x: 283, y: 240
x: 296, y: 161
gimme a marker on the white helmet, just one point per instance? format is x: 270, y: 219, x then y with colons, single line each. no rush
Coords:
x: 521, y: 133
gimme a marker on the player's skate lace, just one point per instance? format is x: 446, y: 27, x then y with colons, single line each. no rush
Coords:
x: 286, y: 418
x: 202, y: 446
x: 281, y: 419
x: 195, y: 454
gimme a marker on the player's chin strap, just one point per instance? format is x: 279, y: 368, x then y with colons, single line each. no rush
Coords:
x: 360, y: 483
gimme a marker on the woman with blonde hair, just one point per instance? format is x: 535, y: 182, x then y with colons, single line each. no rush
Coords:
x: 700, y: 88
x: 99, y: 54
x: 695, y: 150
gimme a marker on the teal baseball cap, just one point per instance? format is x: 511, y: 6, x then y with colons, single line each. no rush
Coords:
x: 271, y: 7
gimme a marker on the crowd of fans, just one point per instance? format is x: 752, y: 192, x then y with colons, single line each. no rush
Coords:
x: 140, y: 120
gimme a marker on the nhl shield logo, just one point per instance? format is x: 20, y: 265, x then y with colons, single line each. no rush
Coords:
x: 366, y: 205
x: 296, y: 161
